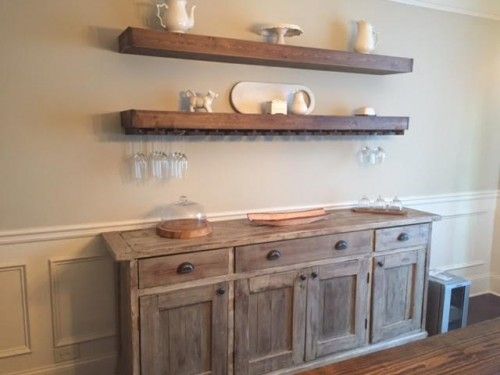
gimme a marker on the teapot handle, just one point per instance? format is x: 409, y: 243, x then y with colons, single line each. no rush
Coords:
x: 312, y: 100
x: 158, y: 13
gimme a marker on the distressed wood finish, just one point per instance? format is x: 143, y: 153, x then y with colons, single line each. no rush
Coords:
x: 145, y: 243
x: 270, y: 322
x: 186, y: 123
x: 209, y: 48
x: 304, y: 308
x: 167, y: 270
x: 472, y: 350
x: 185, y: 332
x: 336, y: 308
x: 255, y: 257
x: 400, y: 237
x: 398, y: 286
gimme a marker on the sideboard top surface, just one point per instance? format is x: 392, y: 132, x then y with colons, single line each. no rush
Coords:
x: 145, y: 243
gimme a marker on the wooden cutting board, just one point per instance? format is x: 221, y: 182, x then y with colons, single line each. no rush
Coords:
x: 281, y: 219
x: 183, y: 229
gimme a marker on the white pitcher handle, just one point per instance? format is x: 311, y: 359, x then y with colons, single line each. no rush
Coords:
x: 312, y: 100
x: 375, y: 36
x: 158, y: 13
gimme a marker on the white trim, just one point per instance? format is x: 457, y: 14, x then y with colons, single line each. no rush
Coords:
x: 27, y: 235
x: 460, y: 266
x: 447, y: 8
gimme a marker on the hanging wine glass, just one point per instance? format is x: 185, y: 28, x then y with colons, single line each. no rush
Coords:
x: 139, y: 166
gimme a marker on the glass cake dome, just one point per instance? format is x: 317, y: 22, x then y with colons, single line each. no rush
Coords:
x: 184, y: 209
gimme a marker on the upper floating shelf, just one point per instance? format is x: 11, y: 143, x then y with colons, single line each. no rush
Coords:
x: 138, y: 41
x: 180, y: 123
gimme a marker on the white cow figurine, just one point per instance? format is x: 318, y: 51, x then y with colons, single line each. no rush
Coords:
x: 199, y: 102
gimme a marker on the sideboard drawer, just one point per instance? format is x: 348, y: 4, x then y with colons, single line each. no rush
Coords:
x: 399, y: 237
x: 283, y: 253
x: 183, y: 267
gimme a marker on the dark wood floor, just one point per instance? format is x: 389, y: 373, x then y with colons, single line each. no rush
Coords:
x: 474, y: 350
x: 483, y: 307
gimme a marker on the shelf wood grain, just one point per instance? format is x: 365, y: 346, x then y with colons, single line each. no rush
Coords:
x: 201, y: 123
x: 138, y: 41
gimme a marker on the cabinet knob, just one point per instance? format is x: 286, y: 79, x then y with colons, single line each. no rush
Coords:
x: 341, y: 245
x: 303, y: 277
x: 403, y: 237
x: 273, y: 255
x: 380, y: 264
x: 314, y: 275
x: 185, y: 267
x: 220, y: 291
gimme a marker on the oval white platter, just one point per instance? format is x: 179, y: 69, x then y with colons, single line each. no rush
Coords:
x: 250, y: 97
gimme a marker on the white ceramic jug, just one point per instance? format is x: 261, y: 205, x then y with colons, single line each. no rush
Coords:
x: 367, y: 38
x: 176, y: 18
x: 299, y: 105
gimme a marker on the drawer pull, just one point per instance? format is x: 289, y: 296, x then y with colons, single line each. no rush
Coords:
x: 380, y: 264
x: 185, y: 268
x: 273, y: 255
x: 403, y: 237
x: 314, y: 275
x: 303, y: 277
x: 341, y: 245
x: 220, y: 291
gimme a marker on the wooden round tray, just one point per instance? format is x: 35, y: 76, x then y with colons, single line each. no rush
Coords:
x: 183, y: 229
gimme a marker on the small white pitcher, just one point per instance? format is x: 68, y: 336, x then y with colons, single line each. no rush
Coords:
x: 367, y: 38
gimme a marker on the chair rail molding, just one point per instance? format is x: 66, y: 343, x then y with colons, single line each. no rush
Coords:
x: 27, y: 235
x: 479, y: 11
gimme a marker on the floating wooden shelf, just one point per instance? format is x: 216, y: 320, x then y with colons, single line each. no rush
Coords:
x: 200, y: 47
x: 160, y: 122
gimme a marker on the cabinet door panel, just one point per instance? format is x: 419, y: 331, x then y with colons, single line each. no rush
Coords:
x: 337, y: 308
x: 185, y: 332
x: 269, y: 322
x: 398, y: 285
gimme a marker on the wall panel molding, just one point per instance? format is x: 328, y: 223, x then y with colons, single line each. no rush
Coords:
x: 448, y: 8
x: 28, y: 235
x: 25, y: 347
x: 80, y: 299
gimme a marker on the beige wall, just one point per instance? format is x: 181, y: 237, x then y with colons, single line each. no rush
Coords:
x: 62, y: 156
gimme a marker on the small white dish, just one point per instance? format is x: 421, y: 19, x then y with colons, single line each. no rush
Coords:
x: 281, y: 30
x: 365, y: 111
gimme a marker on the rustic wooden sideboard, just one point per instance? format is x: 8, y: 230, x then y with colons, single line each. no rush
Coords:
x: 252, y: 299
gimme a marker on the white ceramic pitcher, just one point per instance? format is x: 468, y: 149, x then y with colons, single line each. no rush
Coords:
x: 299, y: 105
x: 176, y: 18
x: 367, y: 38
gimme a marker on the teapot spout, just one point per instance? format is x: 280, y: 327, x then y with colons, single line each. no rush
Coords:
x: 191, y: 16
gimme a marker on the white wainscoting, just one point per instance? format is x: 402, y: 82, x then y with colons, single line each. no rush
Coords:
x: 70, y: 265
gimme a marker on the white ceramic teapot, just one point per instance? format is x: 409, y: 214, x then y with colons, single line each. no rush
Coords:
x: 176, y: 18
x: 367, y: 38
x: 299, y: 105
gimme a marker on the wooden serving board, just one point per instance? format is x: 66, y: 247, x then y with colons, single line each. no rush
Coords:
x: 272, y: 216
x: 292, y: 221
x: 404, y: 212
x: 183, y: 229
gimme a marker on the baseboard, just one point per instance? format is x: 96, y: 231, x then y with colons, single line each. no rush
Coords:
x: 105, y: 365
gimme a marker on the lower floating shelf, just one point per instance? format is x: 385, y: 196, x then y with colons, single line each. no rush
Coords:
x: 200, y: 123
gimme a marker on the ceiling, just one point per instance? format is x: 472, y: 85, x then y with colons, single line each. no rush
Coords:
x: 477, y: 8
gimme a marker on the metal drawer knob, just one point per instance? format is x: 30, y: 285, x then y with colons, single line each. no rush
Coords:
x: 273, y: 255
x: 380, y: 264
x: 220, y: 291
x: 403, y: 237
x: 314, y: 275
x: 303, y: 277
x: 341, y: 245
x: 185, y: 267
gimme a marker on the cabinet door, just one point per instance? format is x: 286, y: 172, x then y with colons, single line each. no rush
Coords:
x: 337, y: 307
x: 185, y: 332
x: 398, y: 286
x: 270, y: 322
